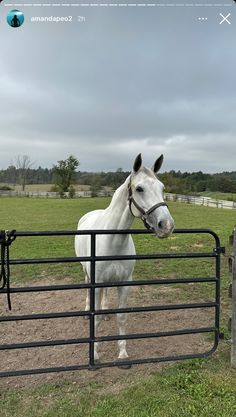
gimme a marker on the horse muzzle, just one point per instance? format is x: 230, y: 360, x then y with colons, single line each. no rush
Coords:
x: 165, y: 228
x: 161, y: 227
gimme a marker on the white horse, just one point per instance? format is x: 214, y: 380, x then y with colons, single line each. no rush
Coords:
x: 141, y: 195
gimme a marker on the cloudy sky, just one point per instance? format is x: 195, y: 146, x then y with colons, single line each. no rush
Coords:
x: 126, y: 80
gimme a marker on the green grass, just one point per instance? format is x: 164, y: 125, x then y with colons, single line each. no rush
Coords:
x: 43, y: 214
x: 25, y: 214
x: 201, y: 388
x: 194, y: 389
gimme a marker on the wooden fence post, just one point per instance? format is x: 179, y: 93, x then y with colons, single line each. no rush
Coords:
x: 233, y: 320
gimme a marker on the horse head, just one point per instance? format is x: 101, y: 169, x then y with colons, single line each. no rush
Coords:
x: 146, y: 199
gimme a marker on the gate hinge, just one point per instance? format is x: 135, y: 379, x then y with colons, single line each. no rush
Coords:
x: 7, y: 237
x: 219, y: 249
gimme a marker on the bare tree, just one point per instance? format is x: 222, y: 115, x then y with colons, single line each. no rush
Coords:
x: 23, y: 164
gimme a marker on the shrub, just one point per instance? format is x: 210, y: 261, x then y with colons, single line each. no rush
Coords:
x: 5, y: 188
x: 54, y: 188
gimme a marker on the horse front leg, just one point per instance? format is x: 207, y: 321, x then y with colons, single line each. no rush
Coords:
x: 104, y: 303
x: 87, y: 302
x: 97, y: 320
x: 121, y: 320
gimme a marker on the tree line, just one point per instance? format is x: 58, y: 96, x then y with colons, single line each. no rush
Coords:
x: 65, y: 173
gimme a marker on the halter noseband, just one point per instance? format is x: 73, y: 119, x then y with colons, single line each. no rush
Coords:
x: 142, y: 211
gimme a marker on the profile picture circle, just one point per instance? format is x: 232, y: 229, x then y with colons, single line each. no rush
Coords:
x: 15, y: 18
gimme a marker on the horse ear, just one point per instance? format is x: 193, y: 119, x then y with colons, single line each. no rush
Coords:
x: 157, y: 166
x: 137, y: 163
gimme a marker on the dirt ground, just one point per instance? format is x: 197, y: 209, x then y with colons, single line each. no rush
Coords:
x: 77, y: 327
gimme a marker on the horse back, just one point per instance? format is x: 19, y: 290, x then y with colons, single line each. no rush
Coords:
x: 89, y: 219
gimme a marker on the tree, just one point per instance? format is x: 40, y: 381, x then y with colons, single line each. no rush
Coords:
x: 23, y: 165
x: 9, y: 175
x: 64, y: 173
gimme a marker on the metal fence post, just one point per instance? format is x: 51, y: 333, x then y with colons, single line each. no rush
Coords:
x: 233, y: 322
x: 92, y: 300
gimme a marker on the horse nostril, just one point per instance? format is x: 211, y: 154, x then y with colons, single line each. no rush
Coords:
x: 161, y: 224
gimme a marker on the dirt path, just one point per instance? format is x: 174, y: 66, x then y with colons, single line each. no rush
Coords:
x: 77, y: 327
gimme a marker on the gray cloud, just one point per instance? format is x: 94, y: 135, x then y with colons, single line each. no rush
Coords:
x: 123, y: 82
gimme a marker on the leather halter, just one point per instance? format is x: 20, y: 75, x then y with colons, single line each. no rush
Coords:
x: 142, y: 211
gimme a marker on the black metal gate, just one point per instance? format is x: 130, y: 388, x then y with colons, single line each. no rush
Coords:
x: 6, y: 239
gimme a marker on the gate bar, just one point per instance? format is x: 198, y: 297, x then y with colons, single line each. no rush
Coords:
x: 70, y: 368
x: 165, y: 307
x: 111, y: 258
x: 110, y: 284
x: 131, y: 336
x: 93, y: 312
x: 105, y: 232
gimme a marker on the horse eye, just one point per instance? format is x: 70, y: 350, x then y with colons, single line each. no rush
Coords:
x: 139, y: 189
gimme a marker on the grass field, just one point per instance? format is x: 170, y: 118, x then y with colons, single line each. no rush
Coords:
x: 201, y: 388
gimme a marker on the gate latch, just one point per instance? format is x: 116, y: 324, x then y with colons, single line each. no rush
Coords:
x: 219, y: 250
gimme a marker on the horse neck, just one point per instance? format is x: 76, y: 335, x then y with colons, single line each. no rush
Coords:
x: 120, y: 215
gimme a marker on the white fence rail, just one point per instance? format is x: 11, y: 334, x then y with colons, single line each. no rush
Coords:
x: 43, y: 194
x: 203, y: 201
x: 50, y: 194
